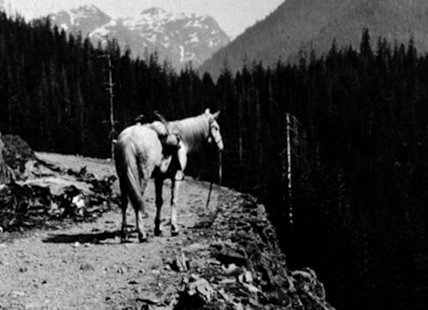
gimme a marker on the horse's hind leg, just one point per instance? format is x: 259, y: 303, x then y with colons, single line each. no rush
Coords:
x: 123, y: 206
x: 140, y: 214
x: 159, y: 203
x: 175, y: 186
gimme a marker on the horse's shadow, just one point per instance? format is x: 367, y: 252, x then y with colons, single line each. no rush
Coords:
x: 95, y: 238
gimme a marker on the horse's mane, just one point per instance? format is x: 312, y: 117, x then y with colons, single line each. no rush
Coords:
x: 193, y: 130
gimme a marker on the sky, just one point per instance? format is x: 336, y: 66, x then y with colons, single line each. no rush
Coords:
x: 233, y: 16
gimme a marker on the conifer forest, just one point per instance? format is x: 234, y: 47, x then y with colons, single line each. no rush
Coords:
x: 336, y: 146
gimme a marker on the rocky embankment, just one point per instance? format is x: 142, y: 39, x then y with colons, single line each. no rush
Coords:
x: 244, y: 266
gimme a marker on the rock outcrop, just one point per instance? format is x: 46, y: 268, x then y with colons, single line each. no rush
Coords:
x: 238, y: 264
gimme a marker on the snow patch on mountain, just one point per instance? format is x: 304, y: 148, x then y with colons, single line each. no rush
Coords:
x: 176, y: 37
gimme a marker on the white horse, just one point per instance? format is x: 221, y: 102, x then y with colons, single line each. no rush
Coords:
x: 139, y: 156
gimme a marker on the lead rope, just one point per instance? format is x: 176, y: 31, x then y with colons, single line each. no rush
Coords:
x: 220, y: 169
x: 209, y: 194
x: 220, y: 176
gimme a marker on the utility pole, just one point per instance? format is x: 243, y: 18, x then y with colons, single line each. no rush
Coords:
x: 289, y: 176
x: 109, y: 88
x: 112, y: 121
x: 240, y: 140
x: 292, y: 142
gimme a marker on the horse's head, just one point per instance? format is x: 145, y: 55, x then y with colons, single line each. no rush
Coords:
x: 214, y: 134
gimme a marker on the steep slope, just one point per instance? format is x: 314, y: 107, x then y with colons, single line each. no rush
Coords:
x: 301, y: 25
x: 180, y: 38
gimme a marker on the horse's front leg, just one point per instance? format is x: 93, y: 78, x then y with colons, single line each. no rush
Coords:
x: 175, y: 186
x: 159, y: 202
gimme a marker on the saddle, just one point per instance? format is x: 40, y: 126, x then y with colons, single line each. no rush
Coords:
x: 171, y: 143
x: 170, y: 140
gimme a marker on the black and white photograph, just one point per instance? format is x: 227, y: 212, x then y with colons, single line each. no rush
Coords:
x: 213, y: 154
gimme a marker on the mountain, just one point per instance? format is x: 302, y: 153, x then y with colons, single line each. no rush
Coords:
x: 84, y: 19
x: 179, y: 38
x: 302, y: 25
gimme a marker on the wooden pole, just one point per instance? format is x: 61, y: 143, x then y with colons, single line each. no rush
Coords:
x: 110, y: 85
x: 289, y: 176
x: 220, y: 168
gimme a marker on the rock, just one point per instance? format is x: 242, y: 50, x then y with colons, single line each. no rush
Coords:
x: 58, y: 186
x: 228, y: 281
x: 232, y: 270
x: 16, y: 153
x: 18, y: 294
x: 194, y: 247
x: 121, y: 270
x: 249, y: 270
x: 5, y: 171
x: 245, y: 277
x: 156, y: 272
x: 194, y: 264
x: 149, y: 298
x: 195, y: 293
x: 232, y: 254
x: 251, y: 288
x: 238, y: 306
x: 310, y: 290
x: 180, y: 263
x: 43, y: 194
x: 87, y: 267
x: 34, y: 305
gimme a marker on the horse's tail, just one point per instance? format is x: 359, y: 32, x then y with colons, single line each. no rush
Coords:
x: 129, y: 174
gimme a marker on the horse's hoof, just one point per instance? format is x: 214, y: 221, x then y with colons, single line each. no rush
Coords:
x: 174, y: 233
x: 179, y: 176
x: 124, y: 238
x: 158, y: 232
x: 143, y: 239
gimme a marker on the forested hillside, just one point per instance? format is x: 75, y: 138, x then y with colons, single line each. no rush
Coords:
x: 351, y: 127
x: 301, y: 26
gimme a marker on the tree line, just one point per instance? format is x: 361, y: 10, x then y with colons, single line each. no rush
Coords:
x: 335, y: 146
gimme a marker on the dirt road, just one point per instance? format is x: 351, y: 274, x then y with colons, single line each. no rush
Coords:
x: 85, y: 266
x: 226, y: 257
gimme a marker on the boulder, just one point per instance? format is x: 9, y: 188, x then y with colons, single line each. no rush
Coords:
x: 6, y: 174
x: 16, y: 153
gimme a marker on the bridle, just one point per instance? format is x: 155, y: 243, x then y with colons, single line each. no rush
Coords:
x: 219, y: 140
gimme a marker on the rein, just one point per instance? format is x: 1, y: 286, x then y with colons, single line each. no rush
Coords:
x: 220, y: 168
x: 220, y: 176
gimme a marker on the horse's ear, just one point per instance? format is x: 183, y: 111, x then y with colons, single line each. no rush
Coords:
x: 207, y: 111
x: 216, y: 114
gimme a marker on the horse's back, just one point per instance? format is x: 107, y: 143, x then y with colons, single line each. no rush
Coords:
x: 141, y: 143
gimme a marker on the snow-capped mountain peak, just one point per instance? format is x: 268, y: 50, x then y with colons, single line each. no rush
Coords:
x: 86, y: 10
x: 177, y: 37
x: 155, y: 13
x: 85, y: 19
x: 156, y: 19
